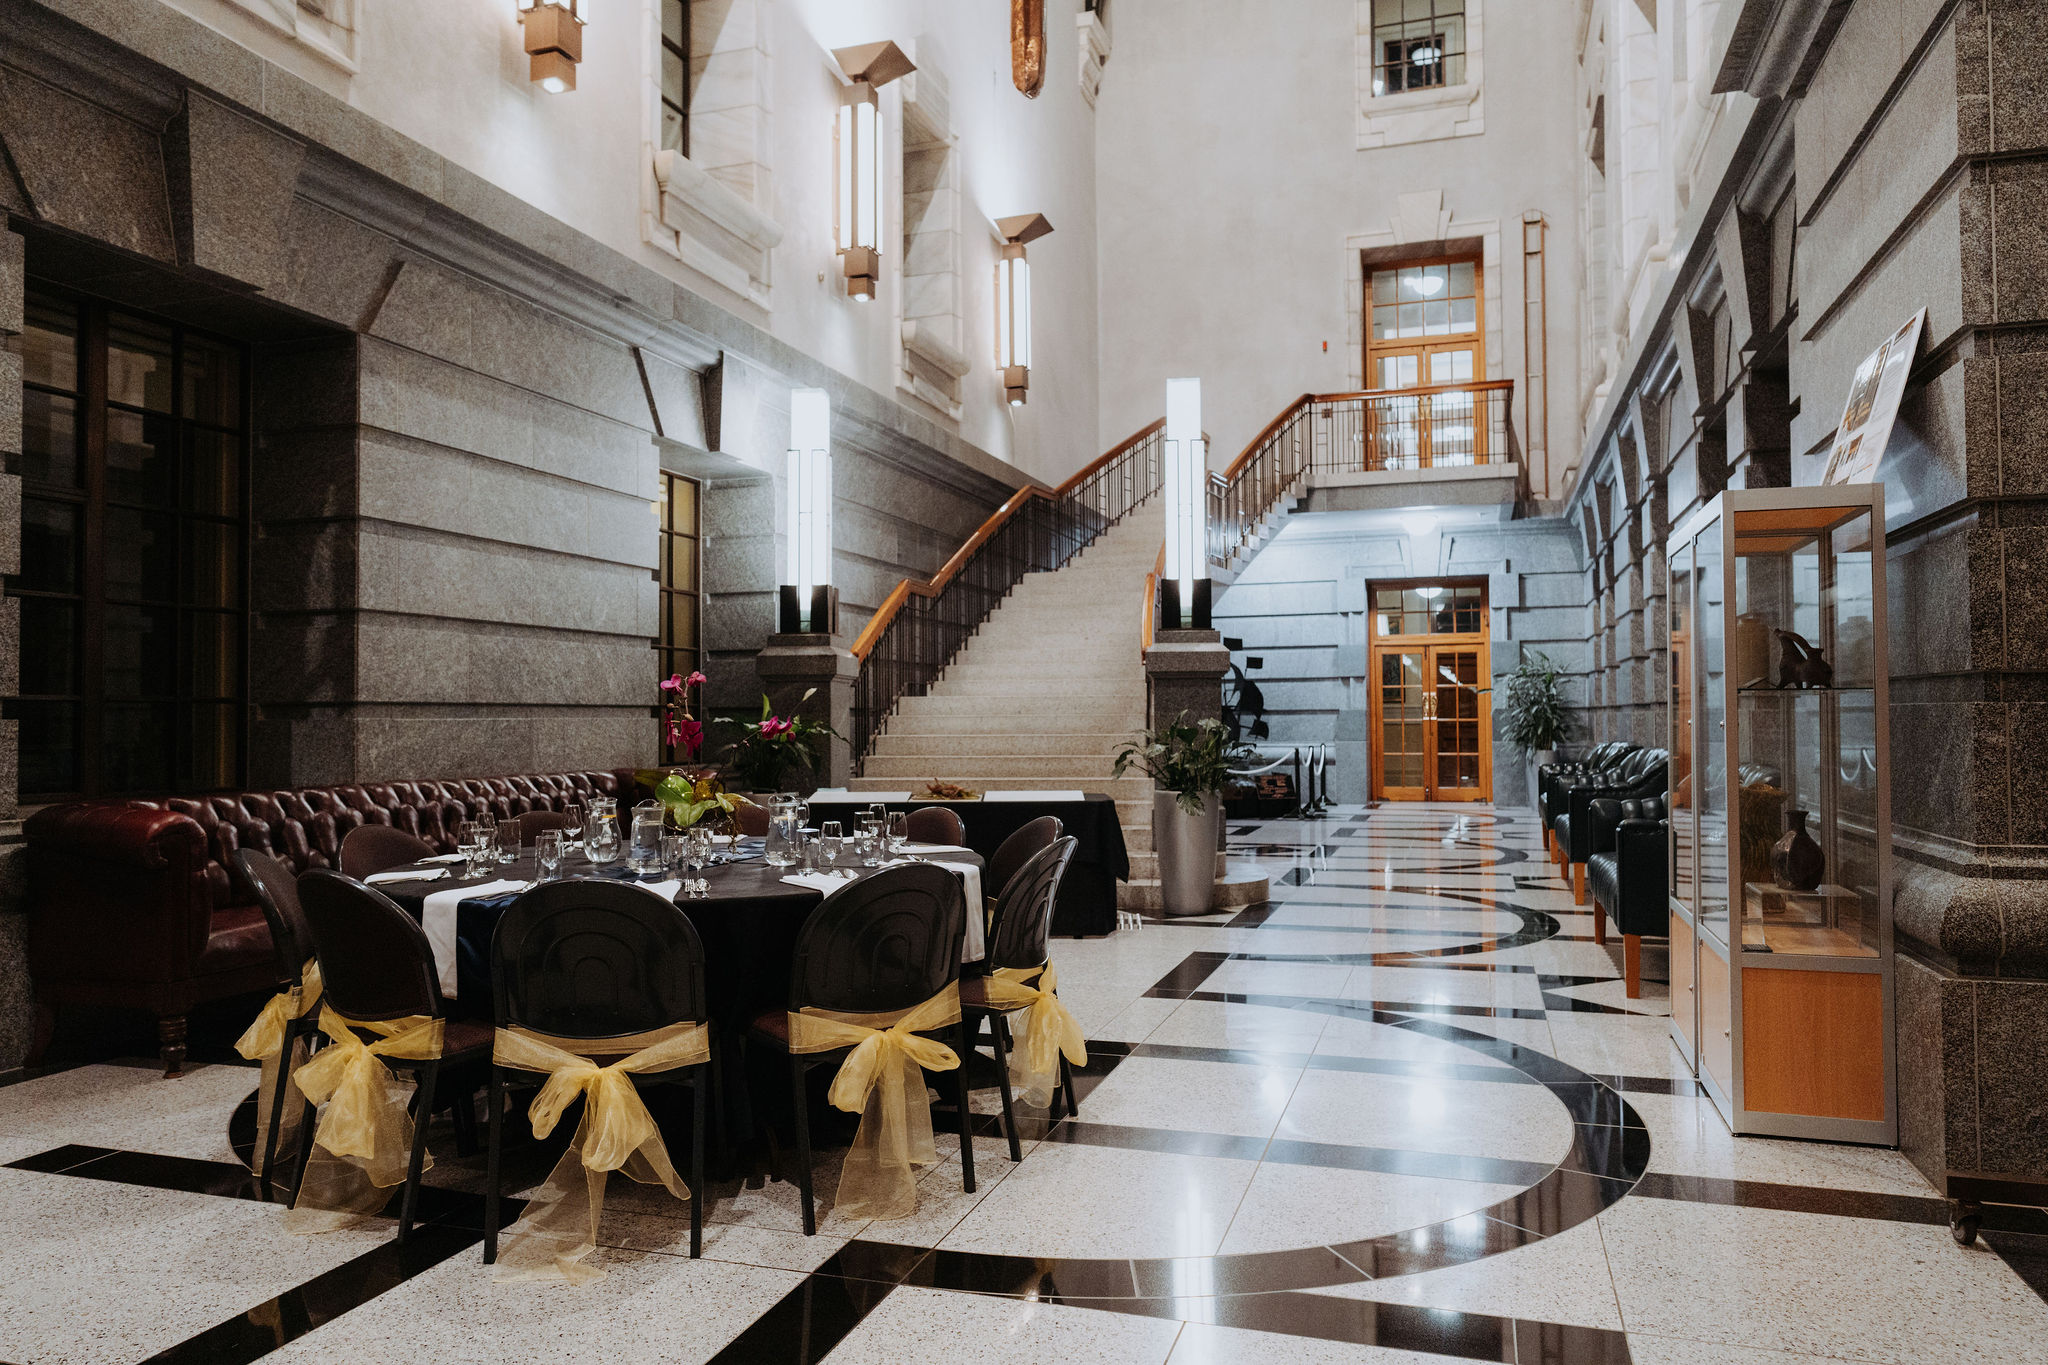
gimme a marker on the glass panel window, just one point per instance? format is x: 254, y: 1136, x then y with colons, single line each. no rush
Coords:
x: 134, y: 548
x: 1417, y: 45
x: 679, y: 648
x: 675, y: 76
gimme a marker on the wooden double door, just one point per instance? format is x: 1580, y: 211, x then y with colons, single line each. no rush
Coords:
x: 1431, y: 721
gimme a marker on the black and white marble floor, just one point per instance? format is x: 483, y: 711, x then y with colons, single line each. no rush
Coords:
x: 1401, y: 1113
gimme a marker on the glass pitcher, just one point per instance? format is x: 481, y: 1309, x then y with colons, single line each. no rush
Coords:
x: 601, y: 830
x: 785, y: 818
x: 643, y: 851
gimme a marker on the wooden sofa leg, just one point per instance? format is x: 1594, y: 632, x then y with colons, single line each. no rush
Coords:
x: 1578, y: 883
x: 1632, y: 964
x: 1599, y: 923
x: 170, y: 1043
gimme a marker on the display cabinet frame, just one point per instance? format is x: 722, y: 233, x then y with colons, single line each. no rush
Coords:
x: 1782, y: 997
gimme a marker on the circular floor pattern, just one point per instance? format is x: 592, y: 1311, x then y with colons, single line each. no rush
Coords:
x: 1608, y: 1153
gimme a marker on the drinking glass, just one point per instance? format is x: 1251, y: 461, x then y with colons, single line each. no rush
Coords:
x: 471, y: 840
x: 574, y: 810
x: 675, y: 846
x: 643, y: 852
x: 547, y: 853
x: 507, y: 841
x: 872, y: 845
x: 699, y: 848
x: 831, y: 843
x: 899, y: 831
x: 601, y: 839
x: 779, y: 849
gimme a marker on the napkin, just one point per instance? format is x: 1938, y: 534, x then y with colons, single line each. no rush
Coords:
x: 665, y: 890
x: 817, y: 881
x: 922, y: 849
x: 974, y: 945
x: 445, y: 858
x: 404, y: 874
x: 1033, y: 796
x: 437, y: 917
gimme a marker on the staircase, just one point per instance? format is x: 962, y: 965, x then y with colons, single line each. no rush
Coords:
x: 1045, y: 694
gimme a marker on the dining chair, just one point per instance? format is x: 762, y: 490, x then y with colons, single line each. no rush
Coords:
x: 1017, y: 938
x: 935, y: 825
x: 751, y: 817
x: 594, y: 967
x: 534, y: 821
x: 887, y: 942
x: 1024, y: 842
x: 375, y: 965
x: 277, y: 892
x: 367, y: 850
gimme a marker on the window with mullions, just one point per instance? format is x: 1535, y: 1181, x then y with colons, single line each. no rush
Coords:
x: 1417, y: 45
x: 1430, y: 609
x: 135, y: 531
x: 675, y: 76
x: 679, y: 650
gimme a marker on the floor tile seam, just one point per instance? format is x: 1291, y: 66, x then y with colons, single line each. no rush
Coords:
x: 1264, y: 1152
x: 1087, y: 1133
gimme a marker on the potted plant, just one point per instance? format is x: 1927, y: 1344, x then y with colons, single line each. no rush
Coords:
x: 1189, y: 763
x: 1533, y: 714
x: 775, y: 748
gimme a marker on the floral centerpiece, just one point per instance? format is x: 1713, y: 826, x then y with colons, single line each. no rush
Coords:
x: 680, y: 728
x: 775, y: 745
x: 687, y: 796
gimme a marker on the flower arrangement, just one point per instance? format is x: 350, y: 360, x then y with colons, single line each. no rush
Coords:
x: 937, y: 790
x: 775, y: 744
x: 680, y: 729
x: 689, y: 799
x: 1191, y: 758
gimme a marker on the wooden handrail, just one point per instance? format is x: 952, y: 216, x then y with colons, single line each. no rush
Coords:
x: 1151, y: 596
x: 1307, y: 399
x: 931, y: 587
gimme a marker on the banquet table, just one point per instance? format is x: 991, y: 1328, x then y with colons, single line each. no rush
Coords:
x: 1087, y: 902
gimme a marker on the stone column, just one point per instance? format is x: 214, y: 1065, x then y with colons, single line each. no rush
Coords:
x: 1185, y: 669
x: 15, y: 1007
x: 791, y: 665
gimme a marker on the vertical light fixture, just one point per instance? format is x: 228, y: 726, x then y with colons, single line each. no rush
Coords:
x: 1184, y: 591
x: 808, y: 602
x: 554, y: 41
x: 857, y: 162
x: 1013, y: 302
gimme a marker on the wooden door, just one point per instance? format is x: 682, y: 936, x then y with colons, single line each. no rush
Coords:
x: 1431, y: 722
x: 1402, y: 698
x: 1457, y: 723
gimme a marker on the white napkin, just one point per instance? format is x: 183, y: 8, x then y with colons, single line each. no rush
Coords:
x: 1034, y: 796
x: 817, y: 881
x: 921, y: 849
x: 404, y: 875
x: 974, y: 946
x: 437, y: 917
x: 665, y: 890
x: 445, y: 858
x: 858, y: 798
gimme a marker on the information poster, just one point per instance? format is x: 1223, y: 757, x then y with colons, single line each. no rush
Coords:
x: 1873, y: 405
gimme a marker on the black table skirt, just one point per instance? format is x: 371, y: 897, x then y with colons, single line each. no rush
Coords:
x: 1087, y: 903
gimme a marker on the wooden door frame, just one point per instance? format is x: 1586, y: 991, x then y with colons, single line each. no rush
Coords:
x: 1378, y: 644
x: 1420, y: 345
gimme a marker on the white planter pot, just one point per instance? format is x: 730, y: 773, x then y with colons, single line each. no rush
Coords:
x: 1186, y: 845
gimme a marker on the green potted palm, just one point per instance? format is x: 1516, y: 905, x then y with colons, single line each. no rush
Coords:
x: 1189, y: 762
x: 1533, y: 712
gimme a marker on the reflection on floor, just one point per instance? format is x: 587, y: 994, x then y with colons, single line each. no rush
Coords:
x: 1403, y: 1112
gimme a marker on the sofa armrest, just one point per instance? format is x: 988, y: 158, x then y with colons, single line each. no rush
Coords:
x: 1643, y: 853
x: 132, y: 833
x: 117, y: 891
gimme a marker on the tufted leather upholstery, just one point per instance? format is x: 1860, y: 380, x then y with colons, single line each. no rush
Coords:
x: 1641, y: 774
x: 1554, y: 779
x: 1629, y: 872
x: 131, y: 902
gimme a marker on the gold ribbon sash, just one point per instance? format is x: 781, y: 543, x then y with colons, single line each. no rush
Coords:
x: 559, y: 1227
x: 882, y: 1080
x: 363, y: 1139
x: 1049, y: 1029
x: 263, y: 1041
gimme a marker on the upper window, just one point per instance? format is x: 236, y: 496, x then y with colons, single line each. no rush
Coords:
x: 1422, y: 324
x: 135, y: 530
x: 1417, y: 45
x: 1429, y: 609
x: 678, y: 650
x: 675, y: 76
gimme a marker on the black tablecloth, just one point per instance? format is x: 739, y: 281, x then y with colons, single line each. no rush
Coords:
x: 1087, y: 903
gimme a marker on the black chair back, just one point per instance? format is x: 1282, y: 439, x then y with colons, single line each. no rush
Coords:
x: 277, y: 891
x: 374, y: 958
x: 367, y: 850
x: 885, y: 942
x: 1019, y: 849
x: 591, y: 959
x: 533, y: 822
x: 935, y: 825
x: 1023, y: 917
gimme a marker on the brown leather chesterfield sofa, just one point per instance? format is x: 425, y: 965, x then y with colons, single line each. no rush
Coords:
x: 130, y: 903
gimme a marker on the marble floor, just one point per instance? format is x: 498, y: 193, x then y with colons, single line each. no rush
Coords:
x: 1403, y: 1112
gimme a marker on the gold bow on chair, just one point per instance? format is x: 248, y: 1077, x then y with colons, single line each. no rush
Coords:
x: 882, y: 1081
x: 363, y: 1139
x: 1049, y: 1029
x: 559, y: 1227
x: 263, y: 1041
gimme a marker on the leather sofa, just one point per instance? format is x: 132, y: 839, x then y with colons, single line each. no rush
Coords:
x: 1553, y: 780
x: 1629, y: 872
x: 130, y: 903
x: 1643, y: 773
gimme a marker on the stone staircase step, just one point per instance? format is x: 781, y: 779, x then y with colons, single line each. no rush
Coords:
x: 1047, y: 708
x: 1145, y: 863
x: 1243, y: 884
x: 1122, y: 788
x: 981, y: 740
x: 1100, y: 694
x: 1079, y: 770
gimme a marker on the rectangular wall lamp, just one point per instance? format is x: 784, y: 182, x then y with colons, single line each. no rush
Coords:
x: 1013, y: 302
x: 1184, y: 589
x: 857, y: 162
x: 808, y: 604
x: 554, y: 41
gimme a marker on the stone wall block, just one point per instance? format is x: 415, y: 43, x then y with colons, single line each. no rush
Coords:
x: 231, y: 181
x: 86, y: 168
x: 13, y: 282
x: 428, y: 308
x: 2015, y: 34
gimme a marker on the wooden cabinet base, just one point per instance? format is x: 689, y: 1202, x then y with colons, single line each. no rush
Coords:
x: 1813, y: 1043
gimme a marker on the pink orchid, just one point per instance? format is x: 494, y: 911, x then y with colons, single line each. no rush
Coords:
x: 695, y: 680
x: 687, y: 735
x: 674, y: 682
x: 773, y: 726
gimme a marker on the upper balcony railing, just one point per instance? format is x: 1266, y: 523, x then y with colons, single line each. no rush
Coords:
x: 1444, y: 426
x: 922, y: 624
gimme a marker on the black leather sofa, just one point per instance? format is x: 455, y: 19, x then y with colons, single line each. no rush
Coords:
x: 1642, y: 774
x: 1552, y: 779
x: 1629, y: 873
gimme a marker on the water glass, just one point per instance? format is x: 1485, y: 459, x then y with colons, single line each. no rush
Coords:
x: 547, y: 853
x: 471, y: 840
x: 899, y: 831
x: 699, y: 846
x: 675, y: 849
x: 507, y: 841
x: 779, y: 849
x: 872, y: 837
x: 643, y: 853
x: 831, y: 843
x: 574, y: 810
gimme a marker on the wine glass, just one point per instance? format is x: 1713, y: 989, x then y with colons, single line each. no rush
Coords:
x: 831, y: 843
x: 698, y: 848
x: 547, y: 853
x: 574, y: 810
x: 899, y: 831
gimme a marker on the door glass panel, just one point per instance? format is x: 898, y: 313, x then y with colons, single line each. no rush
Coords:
x: 1456, y: 678
x: 1711, y: 750
x: 1402, y: 709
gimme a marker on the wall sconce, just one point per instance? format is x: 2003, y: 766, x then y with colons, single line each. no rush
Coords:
x: 809, y: 605
x: 1184, y: 590
x: 857, y: 158
x: 554, y: 41
x: 1013, y: 302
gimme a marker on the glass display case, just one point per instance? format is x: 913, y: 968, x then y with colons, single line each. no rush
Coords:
x: 1781, y: 945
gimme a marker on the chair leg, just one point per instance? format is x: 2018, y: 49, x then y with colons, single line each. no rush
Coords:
x: 463, y: 1110
x: 170, y: 1043
x: 1579, y: 884
x: 803, y: 1145
x: 1067, y: 1080
x: 966, y: 1115
x: 424, y: 1115
x: 1632, y: 964
x: 494, y: 1150
x: 1599, y: 922
x: 1003, y: 1081
x: 284, y: 1069
x: 700, y: 1086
